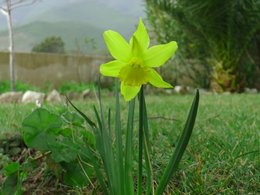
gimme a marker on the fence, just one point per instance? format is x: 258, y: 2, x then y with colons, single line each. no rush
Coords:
x: 40, y: 69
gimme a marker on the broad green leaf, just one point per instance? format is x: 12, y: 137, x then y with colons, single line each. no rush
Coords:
x: 39, y: 128
x: 11, y: 168
x: 73, y: 118
x: 74, y: 175
x: 89, y: 137
x: 63, y: 149
x: 10, y: 186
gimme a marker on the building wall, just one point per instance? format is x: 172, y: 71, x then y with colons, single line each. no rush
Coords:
x: 41, y: 69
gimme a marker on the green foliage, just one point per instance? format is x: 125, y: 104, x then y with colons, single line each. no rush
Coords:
x: 20, y: 86
x: 222, y: 156
x: 14, y: 178
x: 213, y: 31
x: 74, y: 87
x: 53, y: 44
x: 118, y: 159
x: 180, y: 147
x: 65, y: 141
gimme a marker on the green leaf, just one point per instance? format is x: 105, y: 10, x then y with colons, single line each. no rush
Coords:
x: 147, y: 149
x: 74, y: 175
x: 39, y: 128
x: 129, y: 184
x: 89, y: 137
x: 10, y: 186
x: 88, y: 120
x: 73, y: 118
x: 181, y: 146
x: 63, y: 149
x: 11, y: 168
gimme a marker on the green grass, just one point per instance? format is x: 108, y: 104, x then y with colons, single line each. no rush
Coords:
x: 20, y: 86
x: 223, y: 156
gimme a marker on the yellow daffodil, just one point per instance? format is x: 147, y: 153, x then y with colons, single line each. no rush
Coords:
x: 134, y: 62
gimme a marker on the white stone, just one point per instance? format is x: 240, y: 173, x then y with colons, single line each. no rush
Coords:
x: 33, y: 97
x: 180, y: 89
x: 54, y: 97
x: 85, y: 93
x: 177, y: 88
x: 11, y: 97
x: 251, y: 91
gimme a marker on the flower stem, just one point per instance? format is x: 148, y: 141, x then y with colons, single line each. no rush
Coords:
x: 140, y: 156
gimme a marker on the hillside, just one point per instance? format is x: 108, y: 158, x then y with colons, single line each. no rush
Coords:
x: 73, y: 21
x: 73, y: 35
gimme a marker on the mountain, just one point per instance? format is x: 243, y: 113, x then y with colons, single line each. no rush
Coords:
x: 73, y: 34
x: 73, y: 20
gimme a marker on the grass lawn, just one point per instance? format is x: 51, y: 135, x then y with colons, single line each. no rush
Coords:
x: 223, y: 155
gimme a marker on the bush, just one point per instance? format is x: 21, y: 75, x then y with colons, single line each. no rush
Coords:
x: 50, y: 45
x: 216, y: 32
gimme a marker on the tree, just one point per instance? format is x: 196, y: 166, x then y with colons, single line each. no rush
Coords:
x: 220, y: 32
x: 6, y: 7
x: 53, y: 44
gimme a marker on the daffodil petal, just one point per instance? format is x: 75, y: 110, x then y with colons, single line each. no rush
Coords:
x: 111, y: 68
x: 136, y: 48
x: 142, y: 35
x: 159, y: 54
x: 117, y: 45
x: 156, y: 80
x: 129, y: 92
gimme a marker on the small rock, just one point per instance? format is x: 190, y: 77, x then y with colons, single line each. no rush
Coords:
x: 11, y: 97
x: 33, y: 97
x: 180, y: 89
x: 54, y: 97
x: 168, y: 91
x: 250, y: 91
x: 85, y: 93
x: 226, y: 93
x: 73, y: 95
x: 205, y: 92
x: 190, y: 90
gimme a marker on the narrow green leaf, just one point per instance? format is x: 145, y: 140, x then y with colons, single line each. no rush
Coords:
x: 73, y: 174
x: 102, y: 146
x: 140, y: 144
x: 147, y: 149
x: 98, y: 119
x: 100, y: 177
x: 107, y: 149
x: 73, y: 118
x: 129, y: 184
x: 181, y: 146
x: 90, y: 122
x: 119, y: 151
x: 109, y: 121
